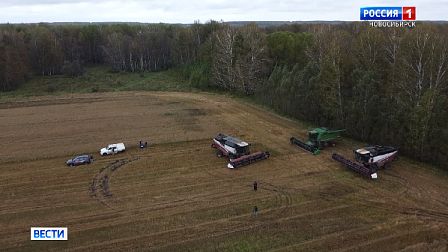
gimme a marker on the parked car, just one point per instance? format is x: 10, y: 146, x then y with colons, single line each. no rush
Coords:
x: 79, y: 160
x: 112, y: 149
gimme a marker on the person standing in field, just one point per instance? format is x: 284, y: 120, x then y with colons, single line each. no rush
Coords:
x: 255, y: 210
x: 91, y: 159
x: 255, y: 186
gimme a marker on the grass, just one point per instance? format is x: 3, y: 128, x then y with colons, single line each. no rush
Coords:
x: 100, y: 79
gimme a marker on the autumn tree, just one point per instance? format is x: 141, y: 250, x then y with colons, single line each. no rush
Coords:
x: 223, y: 61
x: 240, y: 58
x: 45, y: 51
x: 251, y: 58
x: 115, y: 50
x: 13, y: 58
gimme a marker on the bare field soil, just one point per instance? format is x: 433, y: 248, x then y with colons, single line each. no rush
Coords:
x: 176, y: 195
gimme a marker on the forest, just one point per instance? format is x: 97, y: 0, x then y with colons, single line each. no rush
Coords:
x: 386, y: 86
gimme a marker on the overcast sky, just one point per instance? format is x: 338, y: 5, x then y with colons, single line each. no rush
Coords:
x: 171, y: 11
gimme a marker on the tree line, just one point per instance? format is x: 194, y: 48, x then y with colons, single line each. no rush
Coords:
x: 385, y: 86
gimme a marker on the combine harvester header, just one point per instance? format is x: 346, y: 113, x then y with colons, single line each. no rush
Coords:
x: 356, y: 167
x: 311, y: 149
x: 248, y: 159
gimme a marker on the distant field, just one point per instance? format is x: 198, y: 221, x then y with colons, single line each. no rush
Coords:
x: 177, y: 195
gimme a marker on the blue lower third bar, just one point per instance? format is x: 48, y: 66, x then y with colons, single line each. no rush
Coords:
x: 381, y: 13
x: 49, y: 233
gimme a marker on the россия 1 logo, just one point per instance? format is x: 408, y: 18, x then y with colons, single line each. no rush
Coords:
x: 387, y: 13
x: 395, y: 14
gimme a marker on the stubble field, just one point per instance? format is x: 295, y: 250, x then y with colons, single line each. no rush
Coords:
x: 176, y: 195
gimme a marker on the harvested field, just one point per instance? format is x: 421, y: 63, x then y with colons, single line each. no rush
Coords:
x: 176, y: 195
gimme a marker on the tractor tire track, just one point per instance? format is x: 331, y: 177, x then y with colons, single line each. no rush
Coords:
x: 406, y: 185
x: 101, y: 179
x: 282, y: 197
x: 441, y: 216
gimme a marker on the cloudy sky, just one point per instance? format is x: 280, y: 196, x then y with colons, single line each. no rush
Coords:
x: 171, y: 11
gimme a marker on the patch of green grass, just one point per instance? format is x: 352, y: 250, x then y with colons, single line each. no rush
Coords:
x: 341, y: 175
x: 174, y: 102
x: 100, y: 79
x: 246, y: 243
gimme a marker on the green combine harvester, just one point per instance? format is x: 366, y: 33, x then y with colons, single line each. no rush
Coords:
x: 318, y: 139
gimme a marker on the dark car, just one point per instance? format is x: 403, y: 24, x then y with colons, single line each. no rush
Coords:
x: 79, y: 160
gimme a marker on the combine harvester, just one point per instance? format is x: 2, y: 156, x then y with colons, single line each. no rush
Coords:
x: 369, y: 159
x: 237, y: 151
x: 318, y: 139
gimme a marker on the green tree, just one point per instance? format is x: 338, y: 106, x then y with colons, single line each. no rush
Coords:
x: 332, y: 56
x: 423, y: 79
x: 91, y: 40
x: 362, y: 107
x: 369, y: 48
x: 281, y: 48
x: 287, y: 48
x: 184, y: 47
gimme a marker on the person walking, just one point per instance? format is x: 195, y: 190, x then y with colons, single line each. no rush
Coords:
x: 91, y: 159
x: 146, y: 144
x: 255, y: 210
x: 255, y: 186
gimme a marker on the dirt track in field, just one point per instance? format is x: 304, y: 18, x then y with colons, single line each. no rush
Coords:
x: 176, y: 195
